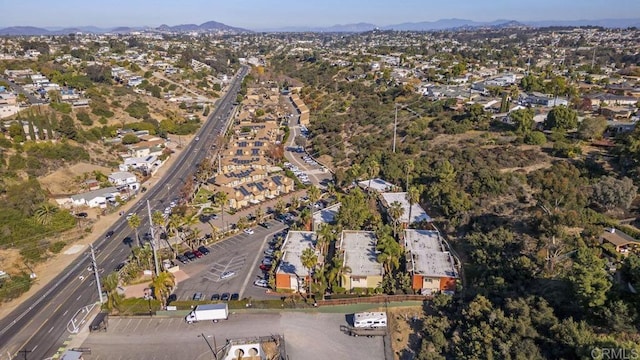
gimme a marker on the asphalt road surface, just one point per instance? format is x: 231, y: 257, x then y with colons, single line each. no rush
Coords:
x: 40, y: 323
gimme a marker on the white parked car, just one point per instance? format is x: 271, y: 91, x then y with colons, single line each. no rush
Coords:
x: 227, y: 274
x: 249, y: 231
x: 261, y: 283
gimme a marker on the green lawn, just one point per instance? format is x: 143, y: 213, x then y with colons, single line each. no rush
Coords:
x: 202, y: 196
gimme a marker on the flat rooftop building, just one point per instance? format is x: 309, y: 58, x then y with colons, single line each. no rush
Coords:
x: 378, y: 185
x: 291, y: 274
x: 417, y: 212
x: 325, y: 216
x: 430, y: 264
x: 360, y: 255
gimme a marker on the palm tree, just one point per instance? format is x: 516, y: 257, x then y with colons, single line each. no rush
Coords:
x: 309, y: 260
x: 325, y: 237
x: 413, y: 196
x: 158, y: 220
x: 409, y: 166
x: 259, y: 214
x: 373, y: 169
x: 338, y: 270
x: 110, y: 286
x: 305, y: 219
x: 314, y: 194
x: 279, y: 207
x: 221, y: 200
x: 395, y: 212
x: 44, y: 214
x: 134, y: 224
x: 162, y: 286
x: 390, y: 252
x: 331, y: 189
x: 295, y: 203
x: 242, y: 223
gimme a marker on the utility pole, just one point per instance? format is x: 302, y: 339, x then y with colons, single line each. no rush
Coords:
x: 95, y: 272
x: 219, y: 164
x: 24, y: 353
x: 395, y: 128
x: 153, y: 240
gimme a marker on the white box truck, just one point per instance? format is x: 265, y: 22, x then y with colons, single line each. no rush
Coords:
x: 370, y: 319
x: 206, y: 312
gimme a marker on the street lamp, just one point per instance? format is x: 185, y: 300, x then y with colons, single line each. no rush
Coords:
x: 202, y: 335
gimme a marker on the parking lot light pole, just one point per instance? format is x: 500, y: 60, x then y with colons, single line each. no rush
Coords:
x: 215, y: 356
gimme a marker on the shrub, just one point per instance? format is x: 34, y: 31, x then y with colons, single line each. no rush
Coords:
x: 57, y: 246
x: 535, y: 138
x: 84, y: 118
x: 61, y: 107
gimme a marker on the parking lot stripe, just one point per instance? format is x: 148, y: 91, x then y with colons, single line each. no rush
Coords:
x: 138, y: 324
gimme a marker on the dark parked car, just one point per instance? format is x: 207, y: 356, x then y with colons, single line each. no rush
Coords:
x: 183, y: 259
x: 204, y: 250
x: 264, y: 267
x: 225, y: 297
x: 235, y: 296
x: 190, y: 255
x: 172, y: 298
x: 265, y: 225
x: 197, y: 253
x: 82, y: 214
x: 215, y: 297
x: 198, y: 296
x: 109, y: 234
x: 119, y: 267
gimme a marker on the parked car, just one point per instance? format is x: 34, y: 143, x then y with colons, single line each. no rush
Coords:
x: 198, y: 296
x: 119, y: 267
x: 269, y: 252
x: 235, y: 296
x: 82, y: 214
x: 204, y: 250
x: 267, y: 261
x: 225, y: 297
x: 264, y: 267
x: 183, y: 259
x: 190, y: 255
x: 197, y: 253
x: 227, y: 274
x: 249, y: 231
x: 265, y: 225
x: 261, y: 283
x: 215, y: 297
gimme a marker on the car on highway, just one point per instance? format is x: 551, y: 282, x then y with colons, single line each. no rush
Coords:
x: 190, y: 255
x: 129, y: 215
x: 227, y: 274
x: 198, y: 296
x: 225, y: 297
x: 249, y: 231
x: 204, y: 250
x: 197, y: 253
x: 261, y: 283
x: 197, y: 138
x: 120, y: 267
x: 183, y: 259
x: 215, y: 297
x: 109, y: 234
x: 235, y: 297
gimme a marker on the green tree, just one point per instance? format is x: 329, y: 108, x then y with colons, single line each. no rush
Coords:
x: 523, y: 120
x: 373, y: 169
x: 314, y: 194
x: 134, y: 223
x: 110, y: 286
x: 162, y: 286
x: 44, y: 213
x: 354, y: 211
x: 67, y: 128
x: 130, y: 139
x: 309, y: 260
x: 338, y: 271
x: 592, y: 128
x: 221, y: 199
x: 589, y: 278
x: 395, y: 212
x: 610, y: 193
x: 561, y: 117
x: 413, y: 197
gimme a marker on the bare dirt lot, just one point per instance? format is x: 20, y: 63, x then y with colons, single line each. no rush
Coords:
x: 405, y: 324
x: 68, y: 180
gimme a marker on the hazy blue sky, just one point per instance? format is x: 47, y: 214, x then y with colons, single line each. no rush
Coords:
x: 264, y: 14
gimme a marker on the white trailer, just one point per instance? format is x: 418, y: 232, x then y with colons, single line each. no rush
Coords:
x: 206, y: 312
x: 370, y: 319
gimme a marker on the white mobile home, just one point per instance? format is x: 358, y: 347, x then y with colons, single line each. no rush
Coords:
x: 370, y: 319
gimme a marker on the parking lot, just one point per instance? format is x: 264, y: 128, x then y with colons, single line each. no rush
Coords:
x: 240, y: 256
x: 307, y: 336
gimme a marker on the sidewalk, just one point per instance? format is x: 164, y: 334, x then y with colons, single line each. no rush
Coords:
x: 49, y: 270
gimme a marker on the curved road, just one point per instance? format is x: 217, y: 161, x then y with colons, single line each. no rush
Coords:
x: 39, y: 324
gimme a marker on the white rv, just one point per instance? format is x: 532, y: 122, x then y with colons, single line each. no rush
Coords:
x: 370, y: 319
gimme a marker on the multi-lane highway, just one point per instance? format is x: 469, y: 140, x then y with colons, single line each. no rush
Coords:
x: 39, y: 324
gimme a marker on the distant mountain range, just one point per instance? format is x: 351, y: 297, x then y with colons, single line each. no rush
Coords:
x: 443, y: 24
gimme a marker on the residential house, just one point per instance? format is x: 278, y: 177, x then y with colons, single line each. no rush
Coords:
x: 290, y: 273
x: 325, y: 216
x: 430, y: 264
x: 377, y: 185
x: 418, y: 214
x: 359, y: 254
x: 126, y: 179
x: 536, y: 98
x: 95, y: 198
x: 302, y: 109
x: 147, y: 163
x: 622, y: 242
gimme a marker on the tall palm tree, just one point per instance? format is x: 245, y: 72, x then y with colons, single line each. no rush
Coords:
x: 221, y: 200
x: 373, y: 169
x: 279, y: 207
x: 295, y: 203
x: 413, y: 196
x: 325, y: 237
x: 110, y: 286
x: 338, y: 270
x: 314, y: 194
x: 390, y: 252
x: 44, y: 213
x: 395, y: 212
x: 408, y: 167
x: 309, y: 260
x: 259, y: 214
x: 134, y: 224
x: 305, y: 219
x: 162, y: 286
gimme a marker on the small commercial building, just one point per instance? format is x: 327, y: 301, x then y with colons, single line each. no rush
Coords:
x: 360, y: 255
x: 290, y: 273
x: 429, y: 262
